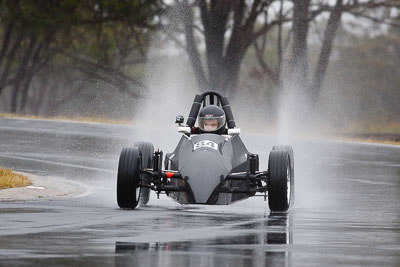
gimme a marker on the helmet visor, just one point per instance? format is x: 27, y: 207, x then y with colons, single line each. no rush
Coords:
x: 211, y: 124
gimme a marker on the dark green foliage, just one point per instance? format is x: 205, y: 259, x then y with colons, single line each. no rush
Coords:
x: 85, y: 40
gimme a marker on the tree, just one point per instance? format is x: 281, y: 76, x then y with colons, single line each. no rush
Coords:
x: 30, y: 29
x: 228, y: 29
x: 326, y: 49
x: 298, y: 62
x: 101, y: 39
x: 297, y: 72
x: 358, y: 9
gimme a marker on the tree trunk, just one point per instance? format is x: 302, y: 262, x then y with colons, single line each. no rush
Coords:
x: 279, y: 46
x: 20, y: 74
x: 191, y: 45
x: 6, y: 41
x: 329, y: 35
x: 42, y: 100
x: 231, y: 78
x: 33, y: 66
x: 25, y: 93
x: 298, y: 62
x: 9, y: 60
x: 223, y: 58
x: 214, y: 20
x: 39, y: 95
x: 273, y: 75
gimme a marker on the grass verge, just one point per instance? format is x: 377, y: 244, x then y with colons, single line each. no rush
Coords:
x: 368, y: 132
x: 382, y: 133
x: 9, y: 179
x: 361, y: 139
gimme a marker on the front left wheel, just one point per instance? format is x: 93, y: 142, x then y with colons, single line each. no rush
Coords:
x: 147, y: 151
x: 128, y: 178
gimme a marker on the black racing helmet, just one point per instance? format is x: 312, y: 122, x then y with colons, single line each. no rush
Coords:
x: 212, y: 119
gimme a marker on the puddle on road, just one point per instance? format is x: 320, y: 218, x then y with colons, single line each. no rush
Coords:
x: 265, y: 241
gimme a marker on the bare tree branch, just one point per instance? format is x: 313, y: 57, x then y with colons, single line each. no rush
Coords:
x: 255, y: 11
x: 264, y: 66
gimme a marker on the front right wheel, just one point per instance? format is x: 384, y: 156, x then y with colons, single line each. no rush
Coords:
x: 128, y: 178
x: 280, y: 180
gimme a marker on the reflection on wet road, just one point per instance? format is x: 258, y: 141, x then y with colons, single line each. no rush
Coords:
x: 267, y: 245
x: 346, y: 211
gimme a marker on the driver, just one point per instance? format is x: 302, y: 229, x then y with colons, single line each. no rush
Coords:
x: 211, y: 119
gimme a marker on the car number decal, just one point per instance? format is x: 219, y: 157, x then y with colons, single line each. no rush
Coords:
x: 205, y: 143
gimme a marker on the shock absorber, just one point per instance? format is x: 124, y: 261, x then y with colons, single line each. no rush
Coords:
x: 157, y: 168
x: 253, y: 163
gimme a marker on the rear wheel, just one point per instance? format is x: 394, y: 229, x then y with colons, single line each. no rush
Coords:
x: 128, y: 178
x: 280, y: 180
x: 147, y: 151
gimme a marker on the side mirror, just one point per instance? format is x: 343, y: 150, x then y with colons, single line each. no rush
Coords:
x: 179, y: 119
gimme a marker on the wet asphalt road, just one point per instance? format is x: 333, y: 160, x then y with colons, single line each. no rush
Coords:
x: 347, y: 209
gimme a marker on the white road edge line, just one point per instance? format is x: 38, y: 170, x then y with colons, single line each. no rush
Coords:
x: 59, y: 163
x: 35, y: 187
x: 371, y: 182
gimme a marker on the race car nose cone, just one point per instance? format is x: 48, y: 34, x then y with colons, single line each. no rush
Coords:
x: 204, y: 170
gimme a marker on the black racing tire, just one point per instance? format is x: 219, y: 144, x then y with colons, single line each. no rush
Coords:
x: 128, y: 178
x: 280, y: 180
x: 147, y: 151
x: 290, y: 150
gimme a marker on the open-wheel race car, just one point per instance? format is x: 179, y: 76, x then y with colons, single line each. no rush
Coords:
x: 210, y: 164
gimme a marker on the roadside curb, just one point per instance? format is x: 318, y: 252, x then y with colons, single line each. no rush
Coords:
x: 42, y: 188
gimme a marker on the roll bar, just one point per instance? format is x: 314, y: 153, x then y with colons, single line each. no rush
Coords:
x: 222, y: 101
